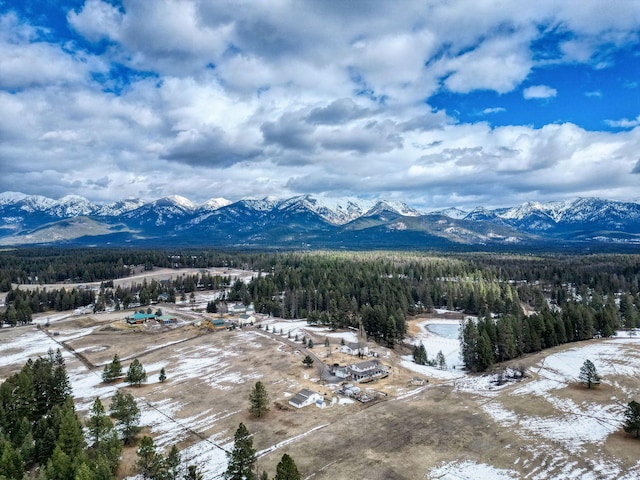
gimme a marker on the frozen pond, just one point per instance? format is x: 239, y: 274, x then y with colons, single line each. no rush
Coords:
x: 446, y: 330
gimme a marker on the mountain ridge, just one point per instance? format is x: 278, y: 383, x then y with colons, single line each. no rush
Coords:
x: 310, y: 221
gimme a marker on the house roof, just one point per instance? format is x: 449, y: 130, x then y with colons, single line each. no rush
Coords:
x: 366, y: 365
x: 142, y: 316
x: 302, y: 396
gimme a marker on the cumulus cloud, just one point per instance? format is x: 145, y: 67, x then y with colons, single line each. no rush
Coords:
x: 539, y: 92
x: 209, y: 148
x: 236, y: 98
x: 337, y: 112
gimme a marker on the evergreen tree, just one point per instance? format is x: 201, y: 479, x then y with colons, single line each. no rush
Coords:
x: 420, y: 354
x: 112, y: 370
x: 106, y: 458
x: 588, y: 374
x: 632, y: 418
x: 469, y: 345
x: 60, y: 466
x: 242, y: 458
x: 484, y: 359
x: 11, y: 462
x: 150, y: 463
x: 193, y: 473
x: 172, y: 464
x: 84, y: 472
x: 308, y: 361
x: 99, y: 424
x: 258, y: 400
x: 70, y: 437
x: 286, y: 469
x: 441, y: 361
x: 163, y: 375
x: 61, y: 387
x: 136, y: 373
x: 127, y: 414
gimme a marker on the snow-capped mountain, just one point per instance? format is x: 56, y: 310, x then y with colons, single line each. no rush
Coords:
x: 311, y: 220
x: 120, y: 207
x: 214, y: 204
x: 451, y: 212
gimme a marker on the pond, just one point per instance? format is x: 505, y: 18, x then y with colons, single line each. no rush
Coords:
x: 446, y: 330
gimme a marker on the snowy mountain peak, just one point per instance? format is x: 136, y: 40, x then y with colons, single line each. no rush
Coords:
x: 215, y: 203
x: 120, y: 207
x: 181, y: 201
x: 36, y: 203
x: 452, y: 212
x: 7, y: 198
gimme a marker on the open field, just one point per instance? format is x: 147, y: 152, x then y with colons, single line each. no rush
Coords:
x: 456, y: 426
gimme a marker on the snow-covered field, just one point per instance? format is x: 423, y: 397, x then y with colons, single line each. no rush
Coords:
x: 560, y: 430
x: 567, y: 426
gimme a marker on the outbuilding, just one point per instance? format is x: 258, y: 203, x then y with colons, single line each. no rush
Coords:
x: 304, y: 398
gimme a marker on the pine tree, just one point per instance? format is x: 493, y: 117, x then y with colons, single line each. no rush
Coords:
x: 11, y: 462
x: 163, y: 375
x: 112, y: 370
x: 127, y: 414
x: 150, y: 463
x: 107, y: 456
x: 59, y: 466
x: 258, y: 400
x: 84, y: 472
x: 286, y: 469
x: 420, y: 354
x: 243, y: 456
x: 61, y: 387
x: 98, y: 424
x: 441, y: 361
x: 308, y: 361
x: 172, y: 464
x: 136, y: 373
x: 588, y: 374
x: 632, y: 418
x: 193, y: 473
x: 485, y: 354
x: 70, y: 437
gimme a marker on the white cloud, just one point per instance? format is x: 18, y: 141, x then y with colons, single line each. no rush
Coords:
x: 624, y: 123
x: 97, y: 20
x: 491, y: 110
x: 321, y: 96
x: 539, y: 92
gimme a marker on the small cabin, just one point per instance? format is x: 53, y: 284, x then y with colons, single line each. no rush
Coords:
x: 305, y: 397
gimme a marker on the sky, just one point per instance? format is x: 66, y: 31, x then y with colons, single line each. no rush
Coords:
x: 437, y: 104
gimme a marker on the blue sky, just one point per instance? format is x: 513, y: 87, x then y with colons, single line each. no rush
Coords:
x: 459, y: 103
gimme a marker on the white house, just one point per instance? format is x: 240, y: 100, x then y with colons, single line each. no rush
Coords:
x: 367, y: 370
x: 351, y: 348
x: 305, y: 397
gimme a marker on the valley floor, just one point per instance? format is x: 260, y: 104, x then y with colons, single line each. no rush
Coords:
x: 544, y: 426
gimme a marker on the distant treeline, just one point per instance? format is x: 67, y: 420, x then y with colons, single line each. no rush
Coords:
x: 573, y: 297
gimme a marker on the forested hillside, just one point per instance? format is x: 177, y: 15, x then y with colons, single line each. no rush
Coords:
x: 524, y: 303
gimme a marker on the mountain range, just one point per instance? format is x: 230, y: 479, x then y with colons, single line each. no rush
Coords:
x: 313, y: 222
